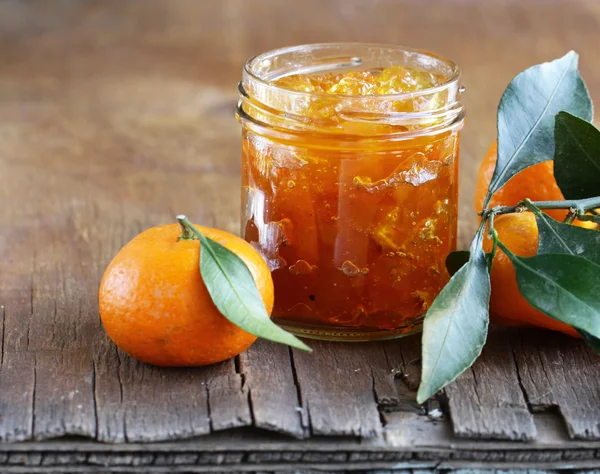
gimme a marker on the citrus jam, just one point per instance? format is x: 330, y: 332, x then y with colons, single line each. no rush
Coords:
x: 349, y: 176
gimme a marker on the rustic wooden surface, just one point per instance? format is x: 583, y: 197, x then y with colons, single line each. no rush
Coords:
x: 116, y: 116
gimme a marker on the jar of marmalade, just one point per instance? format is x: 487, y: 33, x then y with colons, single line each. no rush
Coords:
x: 350, y: 183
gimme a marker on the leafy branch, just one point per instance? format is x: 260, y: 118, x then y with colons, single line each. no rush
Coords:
x: 543, y: 115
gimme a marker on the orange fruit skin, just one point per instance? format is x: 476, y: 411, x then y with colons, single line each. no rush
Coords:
x: 507, y: 307
x: 536, y: 183
x: 155, y: 306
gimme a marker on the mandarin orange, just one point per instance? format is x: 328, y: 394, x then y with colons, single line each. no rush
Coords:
x: 155, y: 306
x: 519, y: 233
x: 536, y: 183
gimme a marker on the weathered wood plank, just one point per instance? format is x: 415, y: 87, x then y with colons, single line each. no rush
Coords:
x: 372, y: 359
x: 228, y: 402
x: 274, y: 395
x: 404, y: 356
x: 16, y: 294
x: 17, y: 383
x: 18, y: 366
x: 63, y: 399
x: 139, y: 402
x: 337, y: 387
x: 162, y: 403
x: 559, y: 371
x: 486, y: 401
x: 108, y: 395
x: 415, y: 446
x: 404, y: 360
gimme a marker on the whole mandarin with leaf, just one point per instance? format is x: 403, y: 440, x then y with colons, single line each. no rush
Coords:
x: 156, y: 307
x: 536, y: 183
x: 508, y: 307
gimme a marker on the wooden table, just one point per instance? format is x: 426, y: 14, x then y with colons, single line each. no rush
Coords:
x: 114, y: 117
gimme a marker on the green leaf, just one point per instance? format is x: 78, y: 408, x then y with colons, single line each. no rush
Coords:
x: 234, y: 292
x: 592, y: 341
x: 576, y: 157
x: 232, y: 289
x: 456, y: 260
x: 455, y: 327
x: 564, y: 287
x: 556, y: 237
x: 526, y: 115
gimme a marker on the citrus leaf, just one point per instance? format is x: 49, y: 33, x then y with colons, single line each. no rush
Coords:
x: 592, y: 341
x: 564, y: 287
x: 576, y: 157
x: 456, y: 260
x: 526, y: 115
x: 234, y: 292
x: 455, y: 327
x: 556, y: 237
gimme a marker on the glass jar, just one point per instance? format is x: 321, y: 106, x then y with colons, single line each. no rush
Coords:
x: 351, y: 198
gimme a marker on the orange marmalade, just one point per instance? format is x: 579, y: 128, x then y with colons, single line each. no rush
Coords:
x: 349, y: 177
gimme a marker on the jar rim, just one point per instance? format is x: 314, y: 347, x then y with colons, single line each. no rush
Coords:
x: 274, y: 108
x: 249, y: 70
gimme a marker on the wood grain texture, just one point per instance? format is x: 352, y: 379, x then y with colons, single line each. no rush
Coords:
x: 274, y: 393
x: 64, y: 395
x: 561, y: 373
x: 337, y: 388
x: 412, y: 445
x: 17, y: 389
x: 487, y: 401
x: 116, y: 116
x: 160, y: 403
x: 228, y: 398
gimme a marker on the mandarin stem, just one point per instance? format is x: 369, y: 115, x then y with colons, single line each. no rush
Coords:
x: 579, y: 205
x: 187, y: 232
x: 571, y: 215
